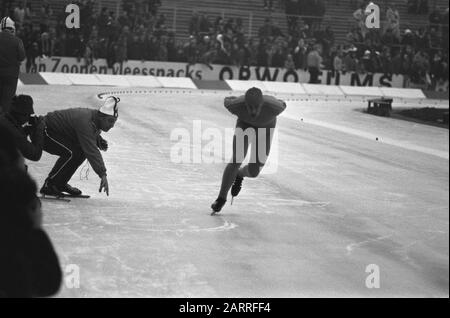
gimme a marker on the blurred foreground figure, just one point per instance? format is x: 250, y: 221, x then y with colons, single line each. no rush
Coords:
x: 29, y: 266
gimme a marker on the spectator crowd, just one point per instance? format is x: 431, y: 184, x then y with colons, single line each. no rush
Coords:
x: 140, y: 32
x: 419, y: 53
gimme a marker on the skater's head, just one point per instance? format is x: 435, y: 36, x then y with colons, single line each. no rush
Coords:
x: 108, y: 113
x: 7, y: 25
x: 254, y: 101
x: 22, y: 108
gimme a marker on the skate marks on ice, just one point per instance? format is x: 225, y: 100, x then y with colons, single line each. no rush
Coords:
x: 182, y: 227
x: 156, y: 220
x: 134, y: 267
x: 256, y: 204
x: 264, y: 195
x: 298, y: 203
x: 353, y: 246
x: 409, y: 253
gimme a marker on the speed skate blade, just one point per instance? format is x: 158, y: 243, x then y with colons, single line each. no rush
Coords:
x: 54, y: 198
x: 81, y: 196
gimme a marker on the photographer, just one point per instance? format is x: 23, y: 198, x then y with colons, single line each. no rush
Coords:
x: 22, y: 124
x: 12, y: 53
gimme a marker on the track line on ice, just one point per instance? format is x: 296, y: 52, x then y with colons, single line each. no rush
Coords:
x: 363, y: 134
x: 300, y: 202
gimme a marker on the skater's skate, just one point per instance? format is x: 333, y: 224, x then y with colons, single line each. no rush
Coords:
x: 50, y: 190
x: 218, y: 205
x: 237, y: 186
x: 70, y: 190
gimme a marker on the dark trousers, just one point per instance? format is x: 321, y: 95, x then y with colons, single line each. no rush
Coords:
x: 71, y: 156
x: 8, y: 87
x: 258, y: 156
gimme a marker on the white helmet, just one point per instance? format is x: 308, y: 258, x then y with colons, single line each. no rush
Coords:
x: 7, y: 24
x: 110, y: 106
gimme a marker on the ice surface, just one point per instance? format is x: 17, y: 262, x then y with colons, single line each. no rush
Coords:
x: 339, y: 201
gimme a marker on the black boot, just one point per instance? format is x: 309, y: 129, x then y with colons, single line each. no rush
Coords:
x: 70, y: 190
x: 50, y: 189
x: 237, y: 186
x: 218, y: 205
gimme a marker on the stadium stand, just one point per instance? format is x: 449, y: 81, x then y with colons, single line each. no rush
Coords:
x: 245, y: 33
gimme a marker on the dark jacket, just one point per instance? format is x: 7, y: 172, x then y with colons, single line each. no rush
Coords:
x: 77, y: 125
x: 12, y: 53
x: 271, y: 108
x: 30, y: 150
x: 29, y: 266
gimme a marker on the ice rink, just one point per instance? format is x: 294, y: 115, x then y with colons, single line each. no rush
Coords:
x: 334, y: 201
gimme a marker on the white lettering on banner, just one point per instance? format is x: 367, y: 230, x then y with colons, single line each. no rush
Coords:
x: 327, y: 77
x: 214, y: 72
x: 355, y: 79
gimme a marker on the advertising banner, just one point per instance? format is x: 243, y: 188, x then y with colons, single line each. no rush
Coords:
x: 214, y: 72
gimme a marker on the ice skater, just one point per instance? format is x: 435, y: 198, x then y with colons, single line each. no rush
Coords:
x: 257, y: 118
x: 74, y: 135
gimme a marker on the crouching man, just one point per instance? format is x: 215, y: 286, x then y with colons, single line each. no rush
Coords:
x: 74, y: 135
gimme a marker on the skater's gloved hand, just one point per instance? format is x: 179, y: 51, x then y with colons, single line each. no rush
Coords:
x: 102, y: 144
x: 104, y: 185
